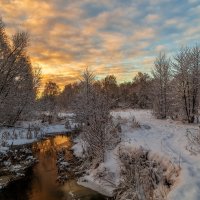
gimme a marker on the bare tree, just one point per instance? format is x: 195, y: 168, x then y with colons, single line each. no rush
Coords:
x: 37, y: 74
x: 187, y: 76
x: 16, y: 76
x: 83, y: 106
x: 162, y: 75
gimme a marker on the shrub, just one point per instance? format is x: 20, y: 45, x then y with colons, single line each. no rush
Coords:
x: 143, y: 178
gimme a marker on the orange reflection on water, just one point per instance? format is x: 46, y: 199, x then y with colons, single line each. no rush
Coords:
x: 60, y: 140
x: 54, y: 143
x: 41, y: 184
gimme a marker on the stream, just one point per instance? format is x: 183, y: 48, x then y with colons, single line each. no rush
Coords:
x: 40, y: 180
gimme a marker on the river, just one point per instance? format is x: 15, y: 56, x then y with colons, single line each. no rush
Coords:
x: 40, y: 181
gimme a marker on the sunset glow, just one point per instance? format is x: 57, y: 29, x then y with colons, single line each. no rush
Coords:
x: 110, y: 37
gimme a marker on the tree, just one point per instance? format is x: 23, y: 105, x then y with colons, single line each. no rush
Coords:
x: 162, y: 75
x: 82, y: 104
x: 17, y: 91
x: 110, y: 89
x: 92, y: 111
x: 37, y: 74
x: 187, y: 76
x: 141, y: 86
x: 127, y: 95
x: 67, y: 96
x: 50, y: 95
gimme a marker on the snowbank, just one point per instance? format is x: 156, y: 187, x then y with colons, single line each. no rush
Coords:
x: 18, y: 135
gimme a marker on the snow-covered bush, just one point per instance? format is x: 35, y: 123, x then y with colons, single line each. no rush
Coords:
x: 120, y: 120
x: 68, y: 124
x: 99, y: 138
x: 4, y: 137
x: 143, y: 178
x: 135, y: 123
x: 129, y: 120
x: 193, y: 137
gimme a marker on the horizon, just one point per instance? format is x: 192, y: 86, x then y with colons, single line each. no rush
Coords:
x: 118, y: 38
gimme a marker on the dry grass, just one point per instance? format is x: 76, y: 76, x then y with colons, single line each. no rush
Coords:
x: 143, y: 178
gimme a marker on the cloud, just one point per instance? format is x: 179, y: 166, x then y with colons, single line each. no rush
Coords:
x: 160, y: 48
x: 152, y: 18
x: 111, y: 37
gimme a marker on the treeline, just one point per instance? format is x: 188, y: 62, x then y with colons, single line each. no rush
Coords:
x: 135, y: 94
x: 172, y: 89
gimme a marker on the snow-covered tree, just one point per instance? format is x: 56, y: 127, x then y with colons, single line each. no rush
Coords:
x: 161, y: 86
x: 17, y: 89
x: 83, y: 106
x: 93, y: 113
x: 187, y: 78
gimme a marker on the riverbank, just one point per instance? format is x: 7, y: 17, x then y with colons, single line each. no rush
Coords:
x: 164, y: 140
x: 14, y: 163
x: 41, y: 181
x: 16, y: 155
x: 166, y: 144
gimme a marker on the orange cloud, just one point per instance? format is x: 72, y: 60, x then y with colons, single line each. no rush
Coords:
x: 63, y: 43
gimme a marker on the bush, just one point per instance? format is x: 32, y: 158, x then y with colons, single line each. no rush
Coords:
x: 143, y: 178
x: 193, y: 137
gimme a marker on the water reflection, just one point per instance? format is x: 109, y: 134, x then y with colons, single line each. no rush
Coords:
x: 40, y: 183
x: 52, y: 144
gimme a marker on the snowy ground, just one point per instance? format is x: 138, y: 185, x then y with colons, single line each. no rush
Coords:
x: 165, y: 139
x: 21, y: 133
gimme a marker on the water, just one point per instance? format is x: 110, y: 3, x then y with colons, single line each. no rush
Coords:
x: 40, y: 182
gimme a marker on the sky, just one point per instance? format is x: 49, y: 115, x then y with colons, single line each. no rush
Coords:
x: 119, y: 37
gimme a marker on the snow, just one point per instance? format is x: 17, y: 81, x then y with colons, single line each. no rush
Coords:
x: 64, y: 164
x: 78, y: 148
x: 166, y: 141
x: 21, y: 133
x: 3, y: 149
x: 64, y: 114
x: 90, y: 182
x: 55, y: 129
x: 167, y: 138
x: 21, y: 141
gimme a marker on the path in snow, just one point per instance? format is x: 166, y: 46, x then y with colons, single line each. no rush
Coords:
x: 167, y: 138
